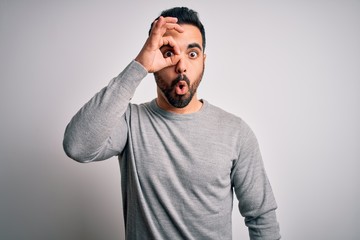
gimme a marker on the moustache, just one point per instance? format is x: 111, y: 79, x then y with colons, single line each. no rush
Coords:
x: 179, y: 78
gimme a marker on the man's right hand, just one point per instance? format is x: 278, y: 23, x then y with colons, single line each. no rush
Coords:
x: 150, y: 55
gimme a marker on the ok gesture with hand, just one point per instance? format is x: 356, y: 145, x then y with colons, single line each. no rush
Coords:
x: 150, y: 55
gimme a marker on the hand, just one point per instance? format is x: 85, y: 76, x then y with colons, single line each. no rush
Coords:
x: 150, y: 55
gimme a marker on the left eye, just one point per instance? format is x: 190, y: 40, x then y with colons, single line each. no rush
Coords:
x: 193, y: 54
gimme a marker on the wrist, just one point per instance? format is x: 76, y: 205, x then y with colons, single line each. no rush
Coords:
x: 138, y: 60
x: 141, y: 65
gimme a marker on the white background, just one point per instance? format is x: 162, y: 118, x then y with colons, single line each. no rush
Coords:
x: 290, y: 69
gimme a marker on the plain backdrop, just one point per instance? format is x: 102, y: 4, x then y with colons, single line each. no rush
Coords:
x: 290, y: 69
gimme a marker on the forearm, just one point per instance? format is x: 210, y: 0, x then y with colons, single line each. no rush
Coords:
x: 258, y: 207
x: 263, y: 227
x: 257, y: 204
x: 253, y: 190
x: 89, y: 131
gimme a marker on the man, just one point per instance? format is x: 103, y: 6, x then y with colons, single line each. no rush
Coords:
x: 181, y: 158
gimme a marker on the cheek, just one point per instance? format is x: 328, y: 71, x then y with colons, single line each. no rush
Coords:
x: 198, y: 69
x: 199, y: 64
x: 165, y: 74
x: 160, y: 81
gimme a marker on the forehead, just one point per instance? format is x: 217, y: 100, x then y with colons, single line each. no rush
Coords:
x: 191, y: 34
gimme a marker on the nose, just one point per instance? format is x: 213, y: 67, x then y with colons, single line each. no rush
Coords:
x: 181, y: 66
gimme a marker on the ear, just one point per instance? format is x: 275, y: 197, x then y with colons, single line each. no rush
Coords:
x: 204, y: 57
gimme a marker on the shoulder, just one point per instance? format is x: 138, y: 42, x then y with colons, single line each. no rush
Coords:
x: 239, y: 130
x: 225, y: 117
x: 135, y: 110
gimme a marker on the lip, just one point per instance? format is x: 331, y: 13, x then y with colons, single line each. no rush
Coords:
x: 181, y: 87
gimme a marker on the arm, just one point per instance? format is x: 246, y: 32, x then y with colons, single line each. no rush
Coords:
x: 252, y: 188
x: 99, y: 131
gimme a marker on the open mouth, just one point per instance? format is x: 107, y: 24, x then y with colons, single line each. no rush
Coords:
x: 181, y: 87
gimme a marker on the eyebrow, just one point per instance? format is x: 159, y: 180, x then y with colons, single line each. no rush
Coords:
x: 194, y: 45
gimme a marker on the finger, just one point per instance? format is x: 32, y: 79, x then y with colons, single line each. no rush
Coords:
x: 161, y: 25
x: 172, y: 43
x: 161, y: 21
x: 174, y: 26
x: 169, y: 19
x: 173, y: 60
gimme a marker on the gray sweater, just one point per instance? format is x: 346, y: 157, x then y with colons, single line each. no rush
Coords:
x: 178, y: 171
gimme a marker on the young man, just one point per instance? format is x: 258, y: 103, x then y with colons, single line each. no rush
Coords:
x: 181, y: 158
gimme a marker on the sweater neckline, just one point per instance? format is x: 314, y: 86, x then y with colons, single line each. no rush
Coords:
x: 177, y: 116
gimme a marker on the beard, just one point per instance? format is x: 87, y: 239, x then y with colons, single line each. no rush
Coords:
x: 174, y: 99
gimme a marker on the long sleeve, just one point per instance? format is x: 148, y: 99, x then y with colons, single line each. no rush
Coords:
x: 98, y: 130
x: 252, y: 188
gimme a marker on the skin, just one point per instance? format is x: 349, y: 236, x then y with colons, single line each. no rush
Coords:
x: 170, y: 51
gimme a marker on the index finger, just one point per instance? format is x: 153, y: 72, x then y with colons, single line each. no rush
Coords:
x: 162, y: 24
x: 172, y: 24
x: 169, y: 19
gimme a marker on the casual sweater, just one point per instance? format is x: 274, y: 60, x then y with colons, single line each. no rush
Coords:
x: 178, y: 171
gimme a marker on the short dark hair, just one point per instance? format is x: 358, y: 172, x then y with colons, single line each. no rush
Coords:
x: 184, y: 16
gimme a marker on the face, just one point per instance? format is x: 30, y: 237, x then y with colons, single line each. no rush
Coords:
x: 177, y: 85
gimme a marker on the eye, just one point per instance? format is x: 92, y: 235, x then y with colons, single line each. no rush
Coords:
x: 193, y: 54
x: 168, y: 54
